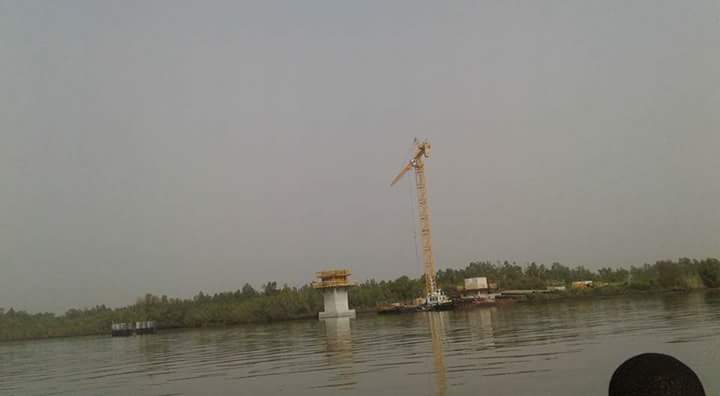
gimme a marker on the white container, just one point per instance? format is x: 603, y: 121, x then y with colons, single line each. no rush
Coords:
x: 476, y: 283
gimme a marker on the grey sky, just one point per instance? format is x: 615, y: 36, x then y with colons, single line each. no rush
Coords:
x: 173, y: 147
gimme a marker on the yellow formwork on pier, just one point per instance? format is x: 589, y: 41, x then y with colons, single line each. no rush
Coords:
x: 333, y: 278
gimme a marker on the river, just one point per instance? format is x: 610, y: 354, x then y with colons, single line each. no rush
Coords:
x: 561, y: 348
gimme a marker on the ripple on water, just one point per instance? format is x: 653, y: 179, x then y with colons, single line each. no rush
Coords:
x: 457, y: 351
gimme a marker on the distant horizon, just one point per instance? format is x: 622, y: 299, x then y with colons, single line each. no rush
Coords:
x: 258, y: 287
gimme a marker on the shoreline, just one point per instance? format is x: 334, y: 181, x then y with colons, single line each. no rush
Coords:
x: 272, y: 303
x: 530, y: 299
x: 603, y: 293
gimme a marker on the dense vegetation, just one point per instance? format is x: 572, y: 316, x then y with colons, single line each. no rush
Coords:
x: 271, y: 302
x: 682, y: 274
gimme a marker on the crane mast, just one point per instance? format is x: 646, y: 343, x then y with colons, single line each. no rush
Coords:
x: 417, y: 163
x: 425, y: 233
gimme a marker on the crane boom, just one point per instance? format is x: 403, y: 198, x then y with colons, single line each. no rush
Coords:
x: 421, y: 151
x: 402, y: 173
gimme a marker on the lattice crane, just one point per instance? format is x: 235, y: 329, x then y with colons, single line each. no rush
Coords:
x: 421, y: 151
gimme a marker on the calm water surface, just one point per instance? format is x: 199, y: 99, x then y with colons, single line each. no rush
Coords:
x: 553, y: 349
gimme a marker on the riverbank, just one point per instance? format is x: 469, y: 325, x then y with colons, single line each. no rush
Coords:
x: 606, y: 292
x: 272, y: 303
x: 568, y: 348
x: 530, y: 299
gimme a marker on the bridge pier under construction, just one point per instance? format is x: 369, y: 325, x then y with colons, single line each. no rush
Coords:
x: 334, y: 285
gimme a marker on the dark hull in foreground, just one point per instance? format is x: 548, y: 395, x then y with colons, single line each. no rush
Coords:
x: 403, y: 309
x: 446, y: 306
x: 397, y: 309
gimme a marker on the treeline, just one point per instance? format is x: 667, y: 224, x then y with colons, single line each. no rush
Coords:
x: 246, y: 305
x: 682, y: 274
x: 271, y: 302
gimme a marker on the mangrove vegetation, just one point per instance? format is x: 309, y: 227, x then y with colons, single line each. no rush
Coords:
x: 272, y: 302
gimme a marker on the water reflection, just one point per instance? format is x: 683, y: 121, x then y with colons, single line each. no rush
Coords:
x: 481, y: 325
x: 339, y: 351
x: 438, y: 321
x: 564, y: 347
x: 338, y: 336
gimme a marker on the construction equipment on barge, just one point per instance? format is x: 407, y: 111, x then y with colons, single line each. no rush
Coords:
x: 435, y: 299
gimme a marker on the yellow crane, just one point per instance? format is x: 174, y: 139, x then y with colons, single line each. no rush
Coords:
x: 421, y: 150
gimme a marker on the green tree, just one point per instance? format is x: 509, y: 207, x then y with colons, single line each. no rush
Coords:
x: 709, y: 272
x: 248, y: 291
x: 270, y: 288
x: 559, y: 273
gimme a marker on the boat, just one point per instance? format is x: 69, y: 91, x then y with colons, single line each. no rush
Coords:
x: 129, y: 329
x: 397, y: 308
x: 476, y: 302
x: 437, y: 301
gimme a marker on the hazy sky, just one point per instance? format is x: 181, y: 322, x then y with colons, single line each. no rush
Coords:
x: 172, y: 147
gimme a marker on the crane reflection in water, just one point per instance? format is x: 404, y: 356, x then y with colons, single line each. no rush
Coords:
x: 437, y: 322
x: 479, y: 323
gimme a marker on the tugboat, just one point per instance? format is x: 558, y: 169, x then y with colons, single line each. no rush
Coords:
x: 437, y: 301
